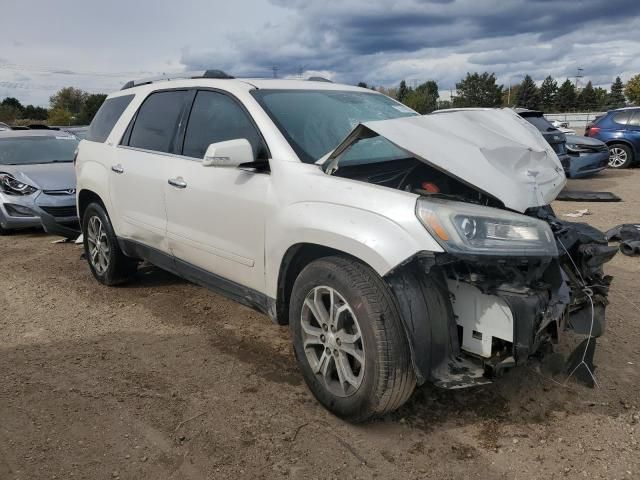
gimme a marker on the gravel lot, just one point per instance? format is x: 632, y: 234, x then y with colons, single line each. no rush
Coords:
x: 162, y: 379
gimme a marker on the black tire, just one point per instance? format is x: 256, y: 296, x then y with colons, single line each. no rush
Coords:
x: 388, y: 378
x: 620, y: 156
x: 119, y: 267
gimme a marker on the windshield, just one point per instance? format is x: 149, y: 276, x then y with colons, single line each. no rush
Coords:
x: 37, y: 149
x: 316, y: 121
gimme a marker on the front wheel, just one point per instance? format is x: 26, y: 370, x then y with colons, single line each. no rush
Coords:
x: 620, y: 156
x: 349, y: 340
x: 107, y: 262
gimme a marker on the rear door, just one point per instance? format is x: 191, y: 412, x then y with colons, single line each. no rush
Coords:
x: 139, y: 168
x: 216, y: 214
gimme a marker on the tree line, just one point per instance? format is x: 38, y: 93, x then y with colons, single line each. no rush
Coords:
x: 73, y: 106
x: 68, y: 106
x: 482, y: 90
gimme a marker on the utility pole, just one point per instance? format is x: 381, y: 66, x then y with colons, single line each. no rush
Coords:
x: 578, y: 77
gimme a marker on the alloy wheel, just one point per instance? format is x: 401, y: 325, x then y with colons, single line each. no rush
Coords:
x: 332, y: 341
x: 98, y: 243
x: 617, y: 157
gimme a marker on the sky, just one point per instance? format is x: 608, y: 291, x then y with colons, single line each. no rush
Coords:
x: 98, y: 46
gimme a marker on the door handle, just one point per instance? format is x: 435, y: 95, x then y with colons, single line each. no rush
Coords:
x: 117, y: 168
x: 177, y: 182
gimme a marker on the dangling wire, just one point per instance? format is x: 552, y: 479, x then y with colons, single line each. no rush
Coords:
x: 589, y: 293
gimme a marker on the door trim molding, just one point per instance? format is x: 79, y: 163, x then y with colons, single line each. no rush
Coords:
x: 230, y: 289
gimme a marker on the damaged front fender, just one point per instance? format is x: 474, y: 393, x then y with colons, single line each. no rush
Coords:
x: 469, y: 319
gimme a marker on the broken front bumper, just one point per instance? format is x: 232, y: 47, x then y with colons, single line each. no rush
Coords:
x: 469, y: 319
x: 54, y: 210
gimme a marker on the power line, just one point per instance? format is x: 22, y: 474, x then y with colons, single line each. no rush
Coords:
x: 35, y: 86
x: 66, y: 71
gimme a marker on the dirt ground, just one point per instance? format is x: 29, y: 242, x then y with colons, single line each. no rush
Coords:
x: 161, y: 379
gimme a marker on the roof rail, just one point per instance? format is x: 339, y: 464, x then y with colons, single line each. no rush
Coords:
x: 318, y: 79
x: 182, y: 75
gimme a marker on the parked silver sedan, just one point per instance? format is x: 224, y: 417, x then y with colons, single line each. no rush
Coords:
x: 37, y: 181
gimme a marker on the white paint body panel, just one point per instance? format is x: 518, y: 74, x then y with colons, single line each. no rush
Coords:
x: 137, y: 194
x: 487, y: 315
x: 217, y: 222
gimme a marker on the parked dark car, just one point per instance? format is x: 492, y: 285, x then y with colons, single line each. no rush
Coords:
x: 620, y: 130
x: 37, y: 181
x: 588, y: 156
x: 551, y: 134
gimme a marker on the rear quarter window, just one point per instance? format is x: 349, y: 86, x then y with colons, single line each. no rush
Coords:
x: 106, y: 118
x: 621, y: 118
x: 634, y: 121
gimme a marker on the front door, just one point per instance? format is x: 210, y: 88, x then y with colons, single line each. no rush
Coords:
x: 215, y: 214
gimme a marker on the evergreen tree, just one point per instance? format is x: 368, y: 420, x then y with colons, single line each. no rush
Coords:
x: 528, y: 95
x: 601, y: 98
x: 548, y: 91
x: 587, y: 98
x: 403, y: 91
x: 616, y: 95
x: 566, y: 97
x: 362, y: 85
x: 478, y: 90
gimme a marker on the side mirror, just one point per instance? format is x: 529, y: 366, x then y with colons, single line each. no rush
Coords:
x: 230, y: 154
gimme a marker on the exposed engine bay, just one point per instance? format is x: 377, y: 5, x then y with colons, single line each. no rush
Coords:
x: 412, y: 175
x: 497, y: 312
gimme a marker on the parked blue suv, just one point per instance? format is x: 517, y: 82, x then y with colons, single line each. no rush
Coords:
x: 620, y: 130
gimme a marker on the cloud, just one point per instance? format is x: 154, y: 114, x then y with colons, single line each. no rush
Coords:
x: 384, y: 42
x: 377, y: 41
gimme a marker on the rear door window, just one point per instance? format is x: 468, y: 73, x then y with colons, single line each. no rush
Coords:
x: 216, y: 117
x: 106, y: 118
x: 156, y: 123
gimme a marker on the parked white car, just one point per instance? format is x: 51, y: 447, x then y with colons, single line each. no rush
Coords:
x: 399, y: 248
x: 563, y: 127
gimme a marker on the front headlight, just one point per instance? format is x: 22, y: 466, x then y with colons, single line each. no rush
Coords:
x: 473, y: 229
x: 575, y: 148
x: 10, y: 185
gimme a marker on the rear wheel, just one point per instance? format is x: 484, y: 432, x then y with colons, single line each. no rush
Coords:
x: 348, y: 339
x: 620, y: 156
x: 106, y: 261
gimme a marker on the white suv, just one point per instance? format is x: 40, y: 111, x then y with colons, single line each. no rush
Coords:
x: 399, y: 248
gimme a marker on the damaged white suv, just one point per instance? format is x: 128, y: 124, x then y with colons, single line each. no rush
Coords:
x: 399, y: 248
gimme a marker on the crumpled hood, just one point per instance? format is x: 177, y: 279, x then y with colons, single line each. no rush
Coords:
x: 494, y: 151
x: 47, y: 176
